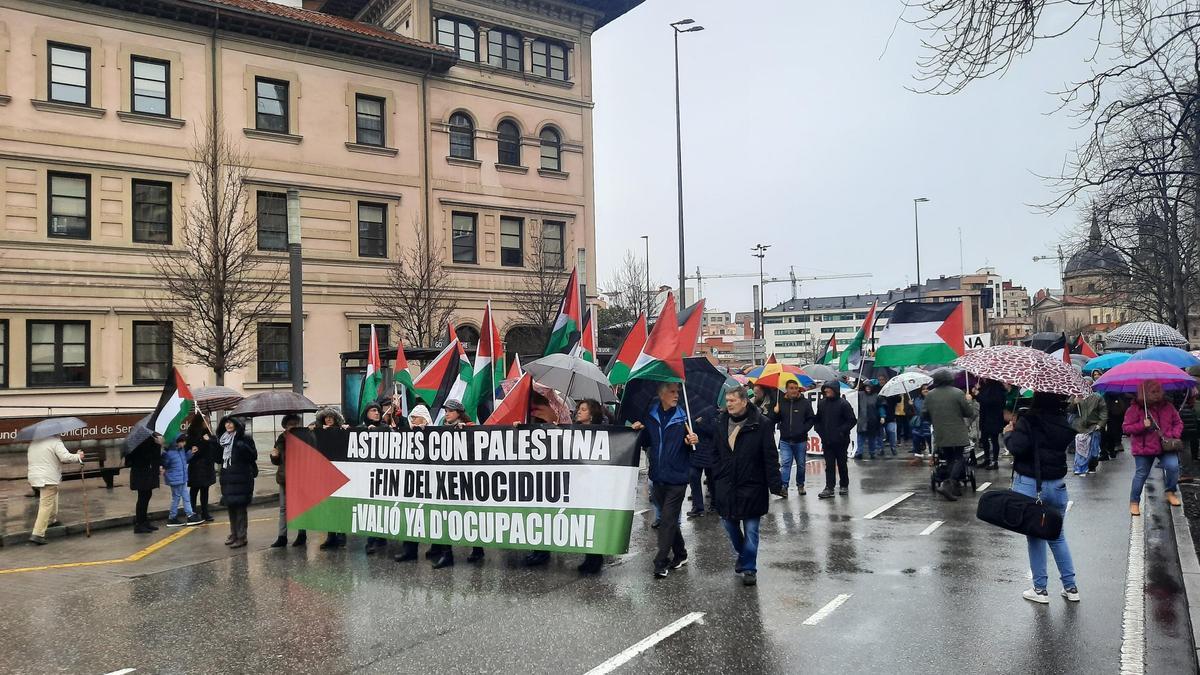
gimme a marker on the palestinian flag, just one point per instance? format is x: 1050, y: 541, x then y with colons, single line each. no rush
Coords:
x: 1082, y: 347
x: 404, y: 380
x: 689, y: 328
x: 489, y: 368
x: 566, y: 327
x: 829, y: 353
x: 372, y: 384
x: 586, y: 347
x: 174, y: 406
x: 852, y: 357
x: 660, y: 359
x: 515, y: 406
x: 622, y: 361
x: 1058, y: 349
x: 445, y: 378
x: 921, y: 333
x: 515, y: 370
x: 452, y: 330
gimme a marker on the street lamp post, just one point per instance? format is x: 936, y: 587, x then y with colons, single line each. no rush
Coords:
x: 649, y: 301
x: 691, y: 28
x: 917, y: 240
x: 759, y: 251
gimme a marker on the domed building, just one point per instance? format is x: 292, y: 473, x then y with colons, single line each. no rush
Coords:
x: 1088, y: 301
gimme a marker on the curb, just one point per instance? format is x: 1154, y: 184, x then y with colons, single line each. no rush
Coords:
x: 1189, y: 564
x: 15, y: 538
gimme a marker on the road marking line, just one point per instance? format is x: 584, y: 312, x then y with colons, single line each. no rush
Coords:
x: 646, y: 643
x: 171, y: 538
x: 123, y: 671
x: 935, y: 525
x: 888, y: 505
x: 1133, y: 631
x: 1069, y: 505
x: 825, y: 611
x: 983, y: 487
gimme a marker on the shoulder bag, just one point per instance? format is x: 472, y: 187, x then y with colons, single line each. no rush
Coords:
x: 1168, y: 444
x: 1020, y: 513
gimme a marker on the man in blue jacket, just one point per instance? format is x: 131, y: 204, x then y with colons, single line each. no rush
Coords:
x: 668, y: 440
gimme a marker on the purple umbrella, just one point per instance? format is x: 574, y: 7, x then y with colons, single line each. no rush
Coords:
x: 1129, y: 377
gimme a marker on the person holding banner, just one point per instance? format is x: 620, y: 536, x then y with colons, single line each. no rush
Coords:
x: 373, y: 419
x: 418, y: 418
x: 747, y: 472
x: 590, y: 412
x: 279, y: 459
x: 665, y: 433
x: 329, y: 418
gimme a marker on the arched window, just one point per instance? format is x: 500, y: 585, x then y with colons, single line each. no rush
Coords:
x: 551, y: 150
x: 462, y: 136
x: 468, y: 336
x: 509, y: 143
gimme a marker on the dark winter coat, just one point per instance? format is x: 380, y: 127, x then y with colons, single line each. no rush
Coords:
x: 279, y: 458
x: 1049, y: 436
x: 869, y: 413
x: 202, y: 466
x: 669, y: 456
x: 174, y: 462
x: 992, y: 398
x: 237, y: 477
x: 144, y: 462
x: 834, y: 421
x: 705, y: 425
x: 745, y: 474
x: 950, y: 413
x: 794, y: 419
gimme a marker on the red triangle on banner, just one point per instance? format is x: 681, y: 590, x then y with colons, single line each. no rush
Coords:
x: 951, y: 331
x: 312, y: 477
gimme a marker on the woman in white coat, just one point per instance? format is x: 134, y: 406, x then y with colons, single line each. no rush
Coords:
x: 46, y: 457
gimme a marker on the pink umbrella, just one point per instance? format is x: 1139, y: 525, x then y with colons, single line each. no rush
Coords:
x: 1129, y: 377
x: 1024, y: 367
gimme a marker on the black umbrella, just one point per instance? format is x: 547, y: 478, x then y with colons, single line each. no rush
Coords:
x: 273, y: 403
x: 52, y: 426
x: 139, y: 434
x: 705, y: 387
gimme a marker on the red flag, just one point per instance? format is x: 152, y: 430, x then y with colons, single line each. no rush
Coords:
x: 514, y: 408
x: 1082, y: 347
x: 660, y: 358
x: 453, y: 330
x: 771, y: 359
x: 515, y: 370
x: 689, y: 328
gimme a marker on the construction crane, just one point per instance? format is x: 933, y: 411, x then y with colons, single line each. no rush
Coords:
x: 791, y: 277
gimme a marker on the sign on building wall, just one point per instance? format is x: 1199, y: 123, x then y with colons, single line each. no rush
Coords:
x: 102, y: 426
x: 977, y: 341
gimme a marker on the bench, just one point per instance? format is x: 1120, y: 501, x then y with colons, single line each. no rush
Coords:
x: 93, y: 466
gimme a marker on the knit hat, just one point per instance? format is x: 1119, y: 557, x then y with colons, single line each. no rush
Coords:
x: 422, y: 412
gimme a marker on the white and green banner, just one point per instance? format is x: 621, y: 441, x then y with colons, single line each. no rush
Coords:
x: 556, y: 488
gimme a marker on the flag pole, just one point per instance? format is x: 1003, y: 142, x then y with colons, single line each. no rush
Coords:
x: 491, y: 329
x: 686, y: 408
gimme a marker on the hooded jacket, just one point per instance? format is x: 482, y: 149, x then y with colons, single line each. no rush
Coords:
x: 175, y: 464
x: 338, y: 420
x: 669, y: 456
x: 202, y: 465
x: 949, y: 412
x: 748, y: 471
x: 1147, y: 442
x: 834, y: 419
x: 1091, y: 414
x: 991, y: 398
x: 869, y: 413
x: 237, y: 477
x: 1044, y: 437
x: 144, y: 462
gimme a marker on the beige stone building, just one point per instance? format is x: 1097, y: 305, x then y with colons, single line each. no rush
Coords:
x: 468, y: 121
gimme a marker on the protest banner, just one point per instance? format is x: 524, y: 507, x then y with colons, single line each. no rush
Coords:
x: 564, y: 488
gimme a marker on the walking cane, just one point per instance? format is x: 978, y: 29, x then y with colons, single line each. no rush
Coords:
x: 87, y: 521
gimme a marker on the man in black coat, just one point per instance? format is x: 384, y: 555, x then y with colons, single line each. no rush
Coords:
x: 747, y: 471
x: 793, y: 416
x: 991, y: 397
x: 834, y: 421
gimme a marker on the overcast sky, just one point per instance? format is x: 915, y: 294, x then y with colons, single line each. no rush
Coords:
x: 797, y: 134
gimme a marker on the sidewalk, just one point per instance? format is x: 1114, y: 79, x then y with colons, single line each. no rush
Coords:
x: 109, y: 508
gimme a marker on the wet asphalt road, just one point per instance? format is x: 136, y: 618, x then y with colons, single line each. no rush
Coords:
x: 946, y: 602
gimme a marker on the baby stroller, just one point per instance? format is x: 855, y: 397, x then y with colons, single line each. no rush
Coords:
x: 941, y: 471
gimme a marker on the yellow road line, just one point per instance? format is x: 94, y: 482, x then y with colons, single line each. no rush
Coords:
x: 152, y: 548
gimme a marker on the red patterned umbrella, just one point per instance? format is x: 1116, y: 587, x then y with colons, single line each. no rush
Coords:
x: 1024, y: 367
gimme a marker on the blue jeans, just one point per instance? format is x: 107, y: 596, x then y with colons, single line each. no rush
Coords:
x: 870, y: 442
x: 890, y: 430
x: 790, y: 451
x: 1054, y: 493
x: 743, y: 534
x: 179, y: 493
x: 1143, y: 463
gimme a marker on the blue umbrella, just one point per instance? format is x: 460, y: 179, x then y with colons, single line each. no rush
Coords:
x: 1106, y: 361
x: 1172, y: 355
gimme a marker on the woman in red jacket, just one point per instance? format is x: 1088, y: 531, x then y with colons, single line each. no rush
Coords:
x: 1150, y: 420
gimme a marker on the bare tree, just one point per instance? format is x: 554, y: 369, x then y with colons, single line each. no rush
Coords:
x: 626, y: 288
x: 540, y: 291
x: 416, y: 296
x: 215, y: 280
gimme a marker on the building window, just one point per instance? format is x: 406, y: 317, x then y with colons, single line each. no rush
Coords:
x: 58, y: 354
x: 549, y: 59
x: 552, y: 244
x: 272, y: 221
x: 551, y: 150
x: 504, y: 50
x: 509, y: 143
x: 271, y: 105
x: 462, y: 136
x: 274, y: 352
x: 459, y: 36
x: 149, y: 90
x: 464, y: 237
x: 368, y: 120
x: 152, y: 360
x: 70, y: 71
x: 511, y: 242
x: 151, y: 212
x: 372, y: 230
x: 382, y: 334
x: 3, y: 353
x: 70, y: 205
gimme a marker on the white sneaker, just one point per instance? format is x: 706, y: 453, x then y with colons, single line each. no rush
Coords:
x: 1071, y: 594
x: 1037, y: 595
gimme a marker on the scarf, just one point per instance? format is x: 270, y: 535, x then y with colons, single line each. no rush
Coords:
x: 735, y: 426
x: 227, y: 439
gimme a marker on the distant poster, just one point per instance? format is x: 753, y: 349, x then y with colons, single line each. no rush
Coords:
x: 977, y: 341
